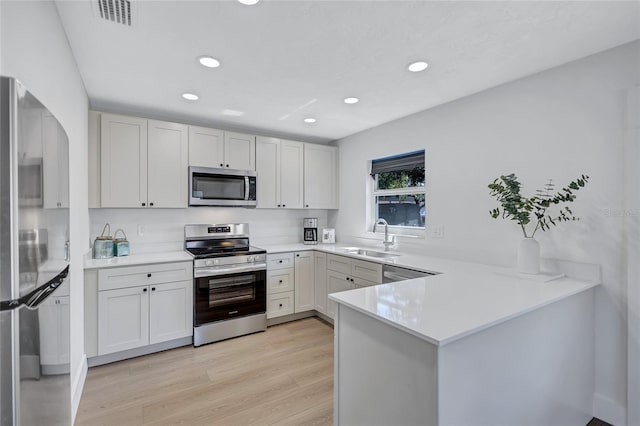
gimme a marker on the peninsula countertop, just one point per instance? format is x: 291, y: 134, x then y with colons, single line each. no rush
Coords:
x: 462, y: 299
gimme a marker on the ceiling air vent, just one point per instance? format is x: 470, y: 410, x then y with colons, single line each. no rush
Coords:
x: 116, y: 11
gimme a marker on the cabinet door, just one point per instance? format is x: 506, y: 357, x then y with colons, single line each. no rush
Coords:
x: 291, y: 175
x: 304, y: 282
x: 267, y: 168
x: 167, y: 162
x: 55, y: 164
x: 50, y: 162
x: 336, y: 282
x: 170, y: 311
x: 320, y: 176
x: 320, y: 282
x: 123, y: 319
x: 239, y: 151
x: 123, y: 161
x: 206, y: 147
x: 64, y: 329
x: 279, y: 304
x: 49, y: 339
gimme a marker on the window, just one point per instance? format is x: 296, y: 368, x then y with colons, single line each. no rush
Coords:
x: 398, y: 189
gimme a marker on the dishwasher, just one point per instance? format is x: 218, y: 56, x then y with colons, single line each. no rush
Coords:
x: 395, y: 273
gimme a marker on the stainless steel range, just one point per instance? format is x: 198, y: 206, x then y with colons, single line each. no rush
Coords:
x: 230, y: 279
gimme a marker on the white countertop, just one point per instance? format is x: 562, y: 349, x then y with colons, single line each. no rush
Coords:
x: 138, y: 259
x: 463, y: 299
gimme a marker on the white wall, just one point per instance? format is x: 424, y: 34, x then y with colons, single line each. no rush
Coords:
x: 556, y: 124
x: 35, y: 50
x: 164, y: 228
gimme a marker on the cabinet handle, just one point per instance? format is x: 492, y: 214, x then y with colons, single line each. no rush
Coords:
x: 153, y: 289
x: 144, y: 290
x: 227, y: 165
x: 280, y: 261
x: 351, y: 279
x: 144, y: 204
x: 278, y: 205
x: 284, y: 205
x: 148, y: 275
x: 297, y: 255
x: 151, y: 204
x: 347, y: 278
x: 221, y: 165
x: 281, y: 305
x: 280, y: 281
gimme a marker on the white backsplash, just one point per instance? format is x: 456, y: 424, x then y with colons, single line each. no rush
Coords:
x: 164, y: 228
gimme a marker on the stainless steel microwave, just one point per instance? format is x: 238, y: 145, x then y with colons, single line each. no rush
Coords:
x: 222, y: 187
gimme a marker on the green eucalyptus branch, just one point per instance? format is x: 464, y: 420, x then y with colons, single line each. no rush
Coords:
x: 513, y: 206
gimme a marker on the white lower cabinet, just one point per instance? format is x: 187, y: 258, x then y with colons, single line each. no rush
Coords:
x: 290, y: 283
x: 320, y: 282
x: 170, y: 311
x: 304, y: 282
x: 345, y: 273
x: 54, y: 321
x: 142, y: 305
x: 336, y: 282
x: 123, y: 319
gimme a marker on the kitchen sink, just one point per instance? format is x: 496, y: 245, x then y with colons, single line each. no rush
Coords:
x: 370, y: 253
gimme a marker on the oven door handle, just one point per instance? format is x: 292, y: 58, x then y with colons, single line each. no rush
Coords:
x: 228, y: 270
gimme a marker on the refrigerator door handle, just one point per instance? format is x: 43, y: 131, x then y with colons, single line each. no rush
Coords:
x: 33, y: 299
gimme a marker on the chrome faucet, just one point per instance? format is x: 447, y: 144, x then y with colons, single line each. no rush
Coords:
x: 388, y: 242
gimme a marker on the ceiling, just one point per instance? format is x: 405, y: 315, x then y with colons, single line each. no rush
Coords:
x: 283, y: 61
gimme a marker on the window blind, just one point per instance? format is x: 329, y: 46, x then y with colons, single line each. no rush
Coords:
x: 408, y: 161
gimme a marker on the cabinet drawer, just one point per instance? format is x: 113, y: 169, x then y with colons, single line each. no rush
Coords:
x: 339, y: 264
x: 131, y: 276
x: 359, y: 282
x: 280, y: 280
x: 279, y: 304
x: 280, y: 261
x: 366, y: 270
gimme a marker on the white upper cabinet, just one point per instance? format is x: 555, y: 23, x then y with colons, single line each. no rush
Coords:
x: 239, y: 151
x: 123, y: 161
x: 206, y: 147
x: 143, y: 163
x: 215, y: 148
x: 320, y: 176
x: 55, y: 148
x: 268, y: 170
x: 167, y: 163
x: 291, y: 174
x: 279, y: 167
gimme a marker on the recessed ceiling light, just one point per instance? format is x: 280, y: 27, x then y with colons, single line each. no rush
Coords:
x: 209, y: 62
x: 309, y: 120
x: 351, y: 100
x: 249, y: 2
x: 418, y: 66
x: 190, y: 96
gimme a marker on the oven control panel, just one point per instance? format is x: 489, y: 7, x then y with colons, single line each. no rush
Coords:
x: 231, y: 260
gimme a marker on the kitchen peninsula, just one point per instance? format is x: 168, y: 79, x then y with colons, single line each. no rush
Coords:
x: 468, y: 346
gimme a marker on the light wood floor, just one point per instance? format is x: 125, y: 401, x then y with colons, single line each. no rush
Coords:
x: 282, y: 376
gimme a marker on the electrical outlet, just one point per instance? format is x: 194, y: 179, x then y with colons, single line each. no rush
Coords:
x: 141, y: 230
x: 437, y: 231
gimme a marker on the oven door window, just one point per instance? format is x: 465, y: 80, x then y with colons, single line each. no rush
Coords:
x: 230, y: 296
x: 218, y: 187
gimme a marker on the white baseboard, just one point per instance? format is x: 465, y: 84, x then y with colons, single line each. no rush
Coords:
x: 609, y: 410
x: 78, y: 386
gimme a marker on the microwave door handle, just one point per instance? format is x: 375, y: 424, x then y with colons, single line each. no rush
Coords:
x: 246, y: 188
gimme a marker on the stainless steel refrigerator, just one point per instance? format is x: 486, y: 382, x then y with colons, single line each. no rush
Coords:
x: 34, y: 253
